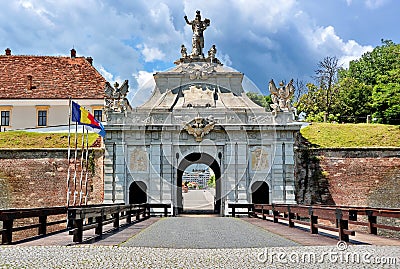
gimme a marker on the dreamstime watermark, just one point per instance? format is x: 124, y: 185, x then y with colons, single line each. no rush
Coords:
x: 335, y: 256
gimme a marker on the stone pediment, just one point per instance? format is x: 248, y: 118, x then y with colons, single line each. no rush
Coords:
x: 195, y: 96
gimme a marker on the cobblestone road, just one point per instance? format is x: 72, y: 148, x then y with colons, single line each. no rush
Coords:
x: 98, y: 257
x: 198, y: 232
x: 187, y: 242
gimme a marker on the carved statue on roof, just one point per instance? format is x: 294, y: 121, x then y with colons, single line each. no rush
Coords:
x: 198, y: 27
x: 281, y: 96
x: 183, y: 51
x: 116, y: 97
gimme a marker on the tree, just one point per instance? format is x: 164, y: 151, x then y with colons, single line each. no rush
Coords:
x: 259, y: 99
x: 326, y: 78
x: 379, y: 70
x: 301, y: 89
x: 355, y: 100
x: 379, y: 61
x: 386, y: 98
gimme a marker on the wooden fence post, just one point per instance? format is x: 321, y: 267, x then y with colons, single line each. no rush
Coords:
x: 43, y: 226
x: 116, y: 219
x: 78, y: 233
x: 371, y: 221
x: 313, y: 221
x: 290, y: 217
x: 6, y: 235
x: 99, y: 229
x: 342, y: 225
x: 165, y: 210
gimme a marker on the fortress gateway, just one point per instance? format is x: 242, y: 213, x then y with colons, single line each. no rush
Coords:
x: 199, y: 113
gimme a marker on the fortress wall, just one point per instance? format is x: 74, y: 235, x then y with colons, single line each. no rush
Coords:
x: 360, y: 177
x: 38, y: 177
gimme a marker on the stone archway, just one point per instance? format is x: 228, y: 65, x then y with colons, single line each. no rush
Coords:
x: 260, y: 192
x: 137, y: 192
x: 200, y: 158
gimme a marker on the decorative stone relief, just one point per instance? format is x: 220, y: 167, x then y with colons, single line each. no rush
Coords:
x: 195, y: 96
x: 199, y: 127
x: 198, y: 70
x: 138, y: 160
x: 259, y: 159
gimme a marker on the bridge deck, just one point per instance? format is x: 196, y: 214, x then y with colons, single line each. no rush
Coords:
x: 217, y: 227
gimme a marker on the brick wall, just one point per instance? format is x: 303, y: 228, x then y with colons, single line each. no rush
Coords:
x: 360, y: 177
x: 38, y: 177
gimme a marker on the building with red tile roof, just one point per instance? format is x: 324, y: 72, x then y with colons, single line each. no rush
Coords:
x: 35, y: 90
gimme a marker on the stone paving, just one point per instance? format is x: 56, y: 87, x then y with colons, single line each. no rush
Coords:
x: 201, y: 242
x: 141, y: 257
x: 195, y: 232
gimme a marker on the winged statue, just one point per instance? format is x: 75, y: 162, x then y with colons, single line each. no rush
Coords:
x: 199, y: 127
x: 116, y: 96
x: 281, y: 96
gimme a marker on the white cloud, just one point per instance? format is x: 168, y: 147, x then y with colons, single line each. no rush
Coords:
x: 261, y: 38
x: 151, y: 54
x: 374, y: 4
x: 107, y: 75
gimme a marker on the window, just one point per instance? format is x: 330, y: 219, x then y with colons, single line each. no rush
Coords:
x: 98, y: 115
x: 5, y: 118
x: 42, y: 117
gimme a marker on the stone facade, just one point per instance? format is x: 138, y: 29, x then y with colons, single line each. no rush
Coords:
x: 199, y: 113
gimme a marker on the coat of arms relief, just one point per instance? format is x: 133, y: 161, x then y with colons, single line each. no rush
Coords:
x: 199, y: 127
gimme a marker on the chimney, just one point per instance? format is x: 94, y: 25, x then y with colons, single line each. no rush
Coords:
x: 73, y: 53
x: 8, y: 52
x: 90, y: 60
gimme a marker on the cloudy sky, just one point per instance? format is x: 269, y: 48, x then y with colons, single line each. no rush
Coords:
x: 264, y: 39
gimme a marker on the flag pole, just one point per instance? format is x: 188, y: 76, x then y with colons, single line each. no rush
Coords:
x: 82, y: 154
x: 69, y: 151
x: 87, y: 167
x: 76, y: 153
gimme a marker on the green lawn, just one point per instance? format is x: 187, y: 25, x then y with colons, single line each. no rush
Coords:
x: 21, y: 139
x: 327, y: 135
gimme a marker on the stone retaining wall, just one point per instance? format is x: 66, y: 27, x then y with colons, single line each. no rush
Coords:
x: 38, y: 177
x: 351, y: 176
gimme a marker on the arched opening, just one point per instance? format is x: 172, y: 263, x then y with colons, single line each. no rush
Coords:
x: 207, y: 161
x: 260, y: 192
x: 137, y: 193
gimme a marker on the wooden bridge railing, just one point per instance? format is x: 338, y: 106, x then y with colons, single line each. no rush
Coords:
x: 77, y: 219
x: 311, y: 216
x: 10, y: 216
x: 84, y: 219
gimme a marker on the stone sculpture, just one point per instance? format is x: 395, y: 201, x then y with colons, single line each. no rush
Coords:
x: 116, y: 97
x: 281, y: 96
x: 198, y: 27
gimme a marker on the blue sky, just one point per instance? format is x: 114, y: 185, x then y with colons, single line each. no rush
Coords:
x: 264, y: 39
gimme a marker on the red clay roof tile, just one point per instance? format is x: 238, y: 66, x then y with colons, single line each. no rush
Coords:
x: 52, y: 78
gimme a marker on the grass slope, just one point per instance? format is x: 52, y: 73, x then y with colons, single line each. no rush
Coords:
x: 328, y: 135
x: 21, y: 139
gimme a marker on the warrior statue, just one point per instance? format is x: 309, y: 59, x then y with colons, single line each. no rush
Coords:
x: 281, y: 96
x: 198, y: 27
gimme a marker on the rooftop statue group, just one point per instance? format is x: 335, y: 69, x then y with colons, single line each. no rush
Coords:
x: 281, y: 96
x: 198, y: 27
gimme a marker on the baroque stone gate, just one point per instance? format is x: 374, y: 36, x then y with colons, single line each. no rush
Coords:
x: 199, y: 113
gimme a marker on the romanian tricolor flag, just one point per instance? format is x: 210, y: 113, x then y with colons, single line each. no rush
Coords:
x: 83, y: 117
